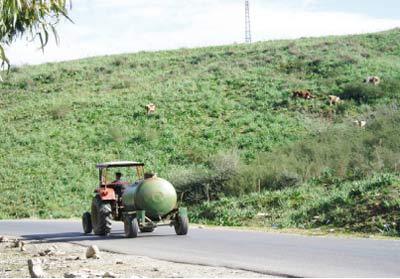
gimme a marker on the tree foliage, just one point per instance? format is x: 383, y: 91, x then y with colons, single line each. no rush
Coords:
x: 33, y: 18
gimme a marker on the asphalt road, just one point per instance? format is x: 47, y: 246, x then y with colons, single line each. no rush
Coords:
x: 271, y: 253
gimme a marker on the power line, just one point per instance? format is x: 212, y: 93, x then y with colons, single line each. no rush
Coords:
x: 247, y: 22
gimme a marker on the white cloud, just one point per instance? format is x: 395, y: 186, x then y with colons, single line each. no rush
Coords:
x: 293, y: 24
x: 108, y: 27
x: 309, y: 3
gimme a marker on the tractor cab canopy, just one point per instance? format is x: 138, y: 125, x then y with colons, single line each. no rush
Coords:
x: 120, y: 164
x: 104, y: 176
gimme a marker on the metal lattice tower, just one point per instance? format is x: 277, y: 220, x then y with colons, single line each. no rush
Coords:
x: 247, y: 16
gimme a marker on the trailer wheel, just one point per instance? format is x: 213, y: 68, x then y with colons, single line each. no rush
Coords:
x: 101, y: 217
x: 87, y: 223
x: 147, y: 229
x: 181, y: 225
x: 131, y: 227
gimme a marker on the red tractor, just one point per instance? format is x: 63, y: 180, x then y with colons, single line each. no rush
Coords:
x: 142, y: 205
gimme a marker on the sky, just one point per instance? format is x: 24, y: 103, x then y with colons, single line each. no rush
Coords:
x: 103, y: 27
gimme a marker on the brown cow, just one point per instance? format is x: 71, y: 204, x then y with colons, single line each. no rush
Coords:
x: 304, y: 94
x: 150, y: 108
x: 334, y: 100
x: 373, y: 80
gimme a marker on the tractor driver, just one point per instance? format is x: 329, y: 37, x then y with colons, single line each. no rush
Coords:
x: 118, y: 184
x: 118, y: 180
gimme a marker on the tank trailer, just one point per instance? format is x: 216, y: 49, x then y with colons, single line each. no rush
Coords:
x: 142, y: 205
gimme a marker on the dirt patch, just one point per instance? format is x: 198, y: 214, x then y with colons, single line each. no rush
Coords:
x: 69, y: 260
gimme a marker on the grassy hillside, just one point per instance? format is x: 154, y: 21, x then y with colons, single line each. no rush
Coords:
x: 364, y: 206
x: 220, y: 111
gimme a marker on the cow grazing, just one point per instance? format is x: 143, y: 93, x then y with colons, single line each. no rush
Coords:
x: 304, y: 94
x: 334, y: 100
x: 373, y: 80
x: 150, y: 108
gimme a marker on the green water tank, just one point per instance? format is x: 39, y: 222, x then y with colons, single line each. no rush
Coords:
x: 155, y: 195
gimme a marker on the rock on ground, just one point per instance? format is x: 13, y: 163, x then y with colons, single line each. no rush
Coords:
x: 109, y: 274
x: 35, y: 268
x: 93, y: 252
x: 70, y: 260
x: 3, y: 239
x: 75, y: 275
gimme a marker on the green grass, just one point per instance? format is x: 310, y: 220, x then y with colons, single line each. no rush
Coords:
x: 365, y: 206
x: 213, y: 104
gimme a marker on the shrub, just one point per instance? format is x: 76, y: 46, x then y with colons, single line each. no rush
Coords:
x: 367, y: 93
x: 192, y: 185
x: 121, y: 84
x: 118, y: 61
x: 369, y: 205
x: 225, y: 165
x: 340, y: 153
x: 347, y: 152
x: 59, y: 111
x: 45, y: 78
x: 197, y: 184
x: 361, y: 93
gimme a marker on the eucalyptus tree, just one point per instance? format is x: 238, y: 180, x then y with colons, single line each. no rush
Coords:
x: 31, y: 19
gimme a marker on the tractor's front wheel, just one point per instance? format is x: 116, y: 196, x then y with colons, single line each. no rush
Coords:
x: 131, y: 227
x: 181, y: 225
x: 87, y: 223
x: 101, y: 216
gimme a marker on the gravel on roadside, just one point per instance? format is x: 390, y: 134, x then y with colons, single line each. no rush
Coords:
x: 69, y: 260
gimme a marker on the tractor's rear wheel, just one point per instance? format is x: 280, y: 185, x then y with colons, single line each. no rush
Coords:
x: 101, y: 216
x: 131, y: 227
x: 181, y: 225
x: 87, y: 223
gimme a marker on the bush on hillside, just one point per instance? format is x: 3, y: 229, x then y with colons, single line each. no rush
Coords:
x: 341, y: 153
x: 367, y: 93
x: 361, y: 93
x: 196, y: 184
x: 347, y: 152
x: 59, y: 111
x: 191, y: 184
x: 370, y: 204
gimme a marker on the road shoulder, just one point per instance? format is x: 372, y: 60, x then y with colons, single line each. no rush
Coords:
x: 68, y: 259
